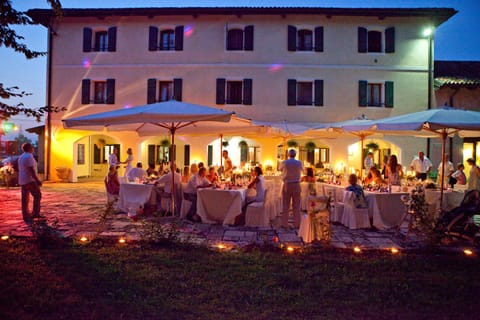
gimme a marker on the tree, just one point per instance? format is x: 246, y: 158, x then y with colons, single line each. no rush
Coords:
x: 10, y: 39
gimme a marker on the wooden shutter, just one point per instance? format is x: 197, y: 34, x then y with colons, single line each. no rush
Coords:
x: 319, y: 39
x: 86, y: 91
x: 249, y: 38
x: 390, y: 40
x: 318, y: 99
x: 292, y: 92
x: 112, y: 39
x: 220, y: 91
x: 97, y: 153
x: 110, y: 91
x: 247, y: 92
x: 153, y: 38
x: 151, y: 90
x: 388, y: 94
x: 362, y: 93
x: 179, y: 38
x: 186, y: 155
x: 362, y: 39
x: 292, y: 38
x: 177, y: 89
x: 87, y: 39
x: 151, y: 154
x: 209, y: 155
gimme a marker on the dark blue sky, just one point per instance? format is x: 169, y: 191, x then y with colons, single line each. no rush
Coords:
x: 456, y: 39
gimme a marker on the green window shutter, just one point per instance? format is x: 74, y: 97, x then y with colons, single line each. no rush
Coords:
x: 220, y: 91
x: 292, y: 38
x: 186, y: 155
x: 388, y: 94
x: 152, y: 38
x: 362, y: 40
x: 86, y: 91
x: 292, y: 92
x: 209, y: 155
x: 319, y: 39
x: 112, y: 39
x: 390, y: 40
x: 110, y: 91
x: 318, y: 101
x: 248, y: 38
x: 177, y: 89
x: 151, y: 91
x: 151, y: 154
x: 362, y: 93
x: 179, y: 38
x: 247, y: 92
x: 87, y: 39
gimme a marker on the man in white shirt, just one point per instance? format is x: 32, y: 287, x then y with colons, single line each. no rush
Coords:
x: 421, y: 165
x: 164, y: 186
x: 113, y: 158
x: 29, y: 182
x: 137, y: 173
x: 368, y: 162
x: 291, y: 172
x: 197, y: 181
x: 448, y: 171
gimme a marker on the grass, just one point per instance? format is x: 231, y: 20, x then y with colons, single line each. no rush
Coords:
x: 98, y: 280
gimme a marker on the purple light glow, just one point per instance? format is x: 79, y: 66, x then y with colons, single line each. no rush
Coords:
x: 127, y: 106
x: 275, y: 67
x: 86, y: 63
x: 188, y: 31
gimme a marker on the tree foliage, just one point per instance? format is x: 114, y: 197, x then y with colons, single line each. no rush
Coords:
x: 10, y: 39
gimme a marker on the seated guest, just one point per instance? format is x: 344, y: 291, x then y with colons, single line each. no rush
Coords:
x: 166, y: 179
x: 458, y: 177
x: 186, y: 175
x: 360, y: 201
x: 212, y: 175
x: 161, y: 169
x: 112, y: 184
x: 309, y: 177
x: 258, y: 184
x: 200, y: 165
x: 393, y: 171
x: 136, y: 172
x: 151, y: 170
x: 197, y: 181
x: 374, y: 177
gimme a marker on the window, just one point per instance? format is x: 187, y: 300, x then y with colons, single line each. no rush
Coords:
x: 98, y: 92
x: 305, y: 39
x: 157, y: 154
x: 168, y: 39
x: 375, y: 94
x: 305, y: 93
x: 234, y: 91
x: 376, y: 40
x: 80, y: 153
x: 316, y: 156
x: 167, y: 90
x: 99, y: 40
x: 240, y: 39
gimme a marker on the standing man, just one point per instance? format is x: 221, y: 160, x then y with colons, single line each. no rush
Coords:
x: 447, y: 173
x: 291, y: 172
x: 421, y: 165
x: 29, y: 182
x: 113, y: 158
x: 368, y: 162
x: 228, y: 166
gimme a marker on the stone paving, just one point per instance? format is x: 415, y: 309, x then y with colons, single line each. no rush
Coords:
x: 78, y: 209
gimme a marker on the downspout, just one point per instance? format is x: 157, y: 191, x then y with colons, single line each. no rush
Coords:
x: 430, y: 82
x: 49, y: 104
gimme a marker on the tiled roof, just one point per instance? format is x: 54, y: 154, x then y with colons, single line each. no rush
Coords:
x: 457, y: 74
x: 435, y: 15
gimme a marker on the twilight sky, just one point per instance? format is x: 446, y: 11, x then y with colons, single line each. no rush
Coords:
x: 456, y: 39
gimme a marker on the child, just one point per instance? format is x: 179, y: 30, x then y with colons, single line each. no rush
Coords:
x: 458, y: 177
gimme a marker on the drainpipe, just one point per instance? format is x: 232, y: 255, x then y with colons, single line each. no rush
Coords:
x: 49, y: 104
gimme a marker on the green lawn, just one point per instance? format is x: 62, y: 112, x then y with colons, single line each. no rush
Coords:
x: 134, y: 281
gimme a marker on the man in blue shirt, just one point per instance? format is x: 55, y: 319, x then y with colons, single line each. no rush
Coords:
x: 291, y: 171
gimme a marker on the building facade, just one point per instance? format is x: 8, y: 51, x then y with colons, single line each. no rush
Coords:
x: 266, y: 64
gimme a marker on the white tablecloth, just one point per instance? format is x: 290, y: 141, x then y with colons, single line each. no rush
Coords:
x: 220, y: 206
x: 133, y: 196
x: 305, y: 193
x: 451, y: 200
x: 386, y: 209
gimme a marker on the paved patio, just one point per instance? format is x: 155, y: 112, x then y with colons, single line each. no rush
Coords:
x: 78, y: 209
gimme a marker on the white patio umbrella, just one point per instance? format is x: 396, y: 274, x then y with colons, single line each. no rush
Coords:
x: 148, y: 119
x: 441, y: 122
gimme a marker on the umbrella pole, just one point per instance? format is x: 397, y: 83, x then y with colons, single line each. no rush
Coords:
x: 221, y: 151
x: 172, y: 166
x: 362, y: 140
x: 444, y: 139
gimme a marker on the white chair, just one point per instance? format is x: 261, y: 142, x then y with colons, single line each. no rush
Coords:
x: 353, y: 217
x: 336, y: 206
x: 256, y: 214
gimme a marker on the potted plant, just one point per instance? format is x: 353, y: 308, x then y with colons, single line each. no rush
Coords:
x: 372, y: 146
x: 225, y: 143
x: 292, y: 143
x: 165, y: 143
x: 310, y: 146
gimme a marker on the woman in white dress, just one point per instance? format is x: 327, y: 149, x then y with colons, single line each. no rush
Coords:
x: 394, y: 171
x: 129, y: 161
